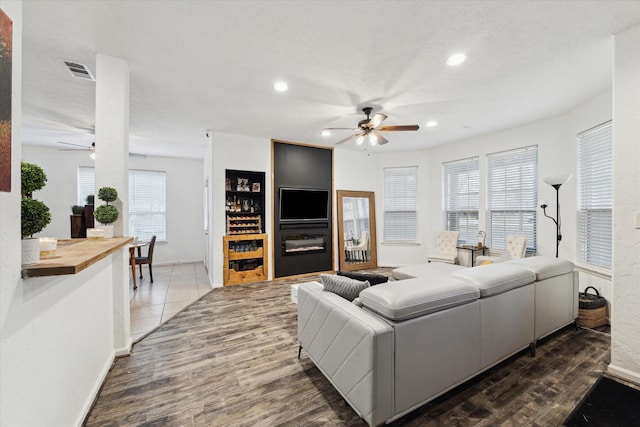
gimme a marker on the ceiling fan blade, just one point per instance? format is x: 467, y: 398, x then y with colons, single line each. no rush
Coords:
x: 398, y: 128
x: 349, y: 138
x: 75, y: 149
x: 340, y: 129
x: 381, y: 139
x: 75, y: 145
x: 376, y: 120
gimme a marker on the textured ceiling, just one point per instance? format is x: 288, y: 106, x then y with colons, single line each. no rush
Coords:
x: 198, y: 65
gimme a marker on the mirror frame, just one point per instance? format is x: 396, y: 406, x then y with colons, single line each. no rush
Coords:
x: 373, y: 259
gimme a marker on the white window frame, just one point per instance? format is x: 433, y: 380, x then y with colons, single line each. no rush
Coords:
x: 147, y: 204
x: 461, y: 196
x: 400, y: 204
x: 595, y: 196
x: 512, y: 197
x: 155, y: 214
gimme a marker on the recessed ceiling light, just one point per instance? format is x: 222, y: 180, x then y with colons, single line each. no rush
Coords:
x: 281, y: 86
x: 326, y: 132
x: 456, y: 59
x: 432, y: 123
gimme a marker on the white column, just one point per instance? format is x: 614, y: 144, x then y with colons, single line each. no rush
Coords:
x: 112, y: 170
x: 625, y: 324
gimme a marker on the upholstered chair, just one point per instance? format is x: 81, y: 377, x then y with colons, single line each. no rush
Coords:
x: 361, y: 248
x: 445, y: 251
x: 516, y: 248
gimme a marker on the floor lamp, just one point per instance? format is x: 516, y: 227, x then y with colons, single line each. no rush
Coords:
x: 556, y: 182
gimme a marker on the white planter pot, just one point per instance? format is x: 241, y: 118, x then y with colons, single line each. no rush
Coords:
x: 108, y: 230
x: 30, y: 251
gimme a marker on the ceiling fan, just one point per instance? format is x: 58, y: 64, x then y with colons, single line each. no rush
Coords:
x: 92, y: 149
x: 369, y: 128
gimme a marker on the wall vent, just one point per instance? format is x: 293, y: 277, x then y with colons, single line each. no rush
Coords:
x: 80, y: 71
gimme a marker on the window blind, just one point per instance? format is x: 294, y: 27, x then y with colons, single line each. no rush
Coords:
x: 147, y: 204
x: 86, y: 183
x: 462, y: 198
x: 400, y: 204
x: 512, y: 196
x: 595, y: 197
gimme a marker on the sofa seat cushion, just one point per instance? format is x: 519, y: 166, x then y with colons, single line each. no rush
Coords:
x: 425, y: 270
x: 417, y: 297
x: 493, y: 279
x: 373, y: 279
x: 544, y: 266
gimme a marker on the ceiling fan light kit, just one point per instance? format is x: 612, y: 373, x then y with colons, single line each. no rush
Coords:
x: 370, y: 127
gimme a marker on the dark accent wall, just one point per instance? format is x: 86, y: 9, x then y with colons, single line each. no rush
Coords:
x: 301, y: 166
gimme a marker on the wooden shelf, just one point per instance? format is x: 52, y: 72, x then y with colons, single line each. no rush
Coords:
x: 244, y: 266
x: 74, y: 255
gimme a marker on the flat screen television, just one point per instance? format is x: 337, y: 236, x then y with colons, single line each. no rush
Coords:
x: 303, y: 204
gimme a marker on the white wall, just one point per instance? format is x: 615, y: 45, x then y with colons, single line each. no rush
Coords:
x: 625, y: 328
x: 242, y: 153
x: 58, y: 334
x: 185, y: 236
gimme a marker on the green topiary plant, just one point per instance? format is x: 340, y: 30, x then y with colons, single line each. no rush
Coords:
x: 77, y: 209
x: 107, y: 214
x: 35, y: 214
x: 33, y: 178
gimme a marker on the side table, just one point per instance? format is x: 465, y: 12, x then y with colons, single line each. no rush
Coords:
x: 473, y: 250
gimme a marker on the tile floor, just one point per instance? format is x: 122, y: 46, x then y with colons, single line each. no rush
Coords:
x: 174, y: 287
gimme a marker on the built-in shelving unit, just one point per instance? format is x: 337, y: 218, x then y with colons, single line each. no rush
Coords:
x: 244, y: 206
x: 245, y: 258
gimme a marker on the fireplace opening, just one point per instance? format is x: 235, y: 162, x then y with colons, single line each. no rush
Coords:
x: 300, y: 244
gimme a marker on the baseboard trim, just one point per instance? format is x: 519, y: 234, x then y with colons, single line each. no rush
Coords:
x: 623, y: 373
x: 93, y: 395
x: 126, y: 350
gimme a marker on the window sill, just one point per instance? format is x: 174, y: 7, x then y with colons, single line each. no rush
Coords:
x: 401, y: 243
x: 74, y: 255
x: 596, y: 271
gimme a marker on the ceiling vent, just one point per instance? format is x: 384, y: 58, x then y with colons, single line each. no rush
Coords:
x: 80, y: 71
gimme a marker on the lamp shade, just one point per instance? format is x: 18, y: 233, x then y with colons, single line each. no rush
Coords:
x: 557, y: 179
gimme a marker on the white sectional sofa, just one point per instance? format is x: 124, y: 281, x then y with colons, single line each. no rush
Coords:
x: 411, y: 340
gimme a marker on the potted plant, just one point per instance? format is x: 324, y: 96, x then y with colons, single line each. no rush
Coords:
x: 107, y: 214
x: 35, y: 214
x: 77, y: 222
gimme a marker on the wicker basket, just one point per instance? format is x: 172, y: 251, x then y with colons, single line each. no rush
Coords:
x: 592, y: 309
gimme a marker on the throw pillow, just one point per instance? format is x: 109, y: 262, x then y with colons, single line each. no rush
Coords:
x: 486, y: 262
x: 347, y: 288
x: 373, y: 279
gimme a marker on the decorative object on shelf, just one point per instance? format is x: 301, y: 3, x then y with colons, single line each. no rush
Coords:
x: 556, y: 182
x: 89, y: 219
x: 48, y: 246
x: 243, y: 184
x: 227, y: 184
x: 255, y: 187
x: 107, y: 214
x: 95, y: 233
x: 481, y: 238
x: 35, y: 214
x: 77, y: 222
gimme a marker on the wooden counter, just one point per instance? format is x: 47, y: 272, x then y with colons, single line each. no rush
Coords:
x: 75, y: 255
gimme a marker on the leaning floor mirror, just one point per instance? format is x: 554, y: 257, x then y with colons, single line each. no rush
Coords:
x: 356, y: 230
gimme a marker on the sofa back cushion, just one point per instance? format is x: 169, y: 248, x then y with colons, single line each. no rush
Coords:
x: 495, y: 279
x: 545, y: 266
x: 411, y: 298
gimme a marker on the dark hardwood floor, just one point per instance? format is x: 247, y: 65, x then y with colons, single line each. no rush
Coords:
x: 230, y: 359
